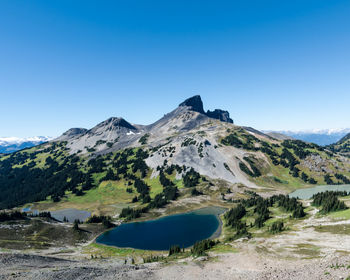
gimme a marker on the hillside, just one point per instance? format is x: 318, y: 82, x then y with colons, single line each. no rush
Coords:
x: 188, y: 156
x: 342, y: 146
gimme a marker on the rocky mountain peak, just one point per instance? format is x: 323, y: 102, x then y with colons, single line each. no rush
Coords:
x: 119, y: 123
x: 195, y: 103
x: 113, y: 123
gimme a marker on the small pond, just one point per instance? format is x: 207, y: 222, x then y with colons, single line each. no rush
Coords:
x: 309, y: 192
x: 180, y: 229
x: 29, y: 210
x: 70, y: 214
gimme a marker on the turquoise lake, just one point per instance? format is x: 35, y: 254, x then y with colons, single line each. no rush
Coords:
x: 180, y: 229
x: 309, y: 192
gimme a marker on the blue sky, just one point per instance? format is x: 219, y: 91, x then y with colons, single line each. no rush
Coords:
x: 273, y: 64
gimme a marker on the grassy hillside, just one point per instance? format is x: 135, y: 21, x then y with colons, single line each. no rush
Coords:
x: 287, y: 164
x: 51, y: 177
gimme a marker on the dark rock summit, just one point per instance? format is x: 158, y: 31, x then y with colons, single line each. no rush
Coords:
x: 196, y: 104
x: 221, y: 115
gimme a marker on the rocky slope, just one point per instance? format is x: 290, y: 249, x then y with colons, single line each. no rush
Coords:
x: 192, y: 137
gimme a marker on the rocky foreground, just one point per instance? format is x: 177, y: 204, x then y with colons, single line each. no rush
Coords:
x: 226, y: 266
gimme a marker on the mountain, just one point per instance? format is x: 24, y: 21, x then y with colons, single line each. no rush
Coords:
x: 189, y: 152
x: 116, y: 133
x: 319, y: 137
x: 13, y: 144
x: 342, y: 146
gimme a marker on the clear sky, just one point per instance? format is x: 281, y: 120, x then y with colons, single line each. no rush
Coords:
x: 272, y: 64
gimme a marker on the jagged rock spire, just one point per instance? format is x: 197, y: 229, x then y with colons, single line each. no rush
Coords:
x: 196, y: 104
x: 221, y: 115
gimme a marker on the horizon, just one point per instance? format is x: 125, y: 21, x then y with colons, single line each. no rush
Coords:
x: 296, y: 131
x: 274, y: 66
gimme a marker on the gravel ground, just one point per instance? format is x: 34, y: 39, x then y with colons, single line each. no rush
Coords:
x: 226, y: 266
x: 22, y: 266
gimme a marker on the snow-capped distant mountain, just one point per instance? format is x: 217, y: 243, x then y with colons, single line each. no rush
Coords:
x: 12, y: 144
x: 318, y: 136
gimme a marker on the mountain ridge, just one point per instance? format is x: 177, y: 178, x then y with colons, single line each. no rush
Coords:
x: 183, y: 154
x: 188, y: 115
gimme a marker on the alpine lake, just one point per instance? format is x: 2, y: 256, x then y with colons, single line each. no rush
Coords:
x: 181, y: 229
x: 309, y: 192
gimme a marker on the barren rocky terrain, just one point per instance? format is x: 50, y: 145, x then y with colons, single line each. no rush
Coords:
x: 222, y: 266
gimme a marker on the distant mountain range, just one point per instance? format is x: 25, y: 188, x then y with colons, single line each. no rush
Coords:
x: 320, y: 137
x: 13, y: 144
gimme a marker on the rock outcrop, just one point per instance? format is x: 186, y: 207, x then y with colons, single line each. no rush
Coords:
x: 219, y: 114
x: 195, y: 103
